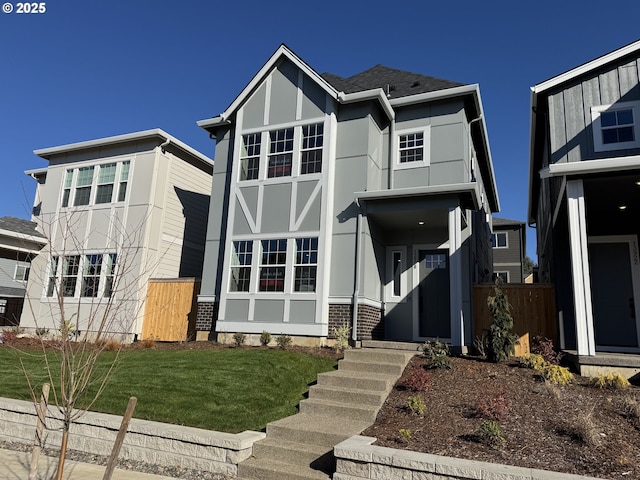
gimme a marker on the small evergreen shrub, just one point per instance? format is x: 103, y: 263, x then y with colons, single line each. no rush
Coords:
x: 532, y: 360
x: 495, y: 408
x: 612, y: 381
x: 283, y: 341
x: 557, y: 375
x: 437, y: 354
x: 490, y: 433
x: 416, y: 405
x: 265, y: 338
x: 342, y: 337
x: 543, y: 346
x: 418, y: 380
x: 405, y: 435
x: 239, y: 339
x: 500, y: 341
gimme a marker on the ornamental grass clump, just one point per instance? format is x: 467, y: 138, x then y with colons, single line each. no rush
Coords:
x: 611, y: 381
x: 490, y: 433
x: 437, y: 354
x: 417, y: 405
x: 557, y: 375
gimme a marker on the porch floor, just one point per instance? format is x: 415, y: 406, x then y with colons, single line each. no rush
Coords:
x: 625, y: 364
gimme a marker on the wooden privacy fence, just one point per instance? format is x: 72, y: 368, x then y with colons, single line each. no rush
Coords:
x: 171, y: 309
x: 533, y: 308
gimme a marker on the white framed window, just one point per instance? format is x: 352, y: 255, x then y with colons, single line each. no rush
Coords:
x: 504, y: 276
x: 22, y: 273
x: 241, y: 259
x: 396, y: 287
x: 616, y: 126
x: 273, y: 265
x: 413, y: 148
x: 82, y: 275
x: 80, y: 184
x: 280, y: 156
x: 3, y: 306
x: 306, y: 264
x: 311, y: 151
x: 499, y: 240
x: 250, y: 157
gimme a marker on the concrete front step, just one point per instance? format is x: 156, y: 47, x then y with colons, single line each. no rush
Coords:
x: 365, y: 366
x: 378, y: 355
x: 268, y: 469
x: 304, y: 455
x: 347, y: 395
x: 391, y: 345
x: 357, y: 380
x: 315, y: 429
x: 316, y: 406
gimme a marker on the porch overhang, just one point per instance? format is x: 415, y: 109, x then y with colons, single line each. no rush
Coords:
x: 468, y: 193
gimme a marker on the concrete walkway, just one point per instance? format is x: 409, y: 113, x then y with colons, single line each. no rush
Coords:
x: 15, y: 466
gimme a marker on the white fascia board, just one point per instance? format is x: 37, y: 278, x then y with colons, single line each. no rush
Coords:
x: 212, y: 122
x: 47, y: 153
x: 450, y: 189
x: 375, y: 94
x: 604, y: 165
x: 36, y: 171
x: 587, y: 67
x: 258, y: 78
x: 24, y: 237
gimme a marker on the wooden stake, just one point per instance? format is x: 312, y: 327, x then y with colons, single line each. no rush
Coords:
x: 41, y: 411
x: 113, y: 459
x: 63, y: 452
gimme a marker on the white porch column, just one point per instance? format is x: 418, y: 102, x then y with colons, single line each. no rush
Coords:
x: 585, y: 338
x: 455, y: 277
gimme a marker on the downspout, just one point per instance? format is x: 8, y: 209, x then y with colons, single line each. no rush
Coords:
x: 164, y: 145
x: 356, y: 282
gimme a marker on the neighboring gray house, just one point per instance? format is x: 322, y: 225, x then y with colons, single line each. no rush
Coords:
x: 509, y: 247
x: 116, y: 211
x: 584, y: 199
x: 363, y: 201
x: 19, y: 243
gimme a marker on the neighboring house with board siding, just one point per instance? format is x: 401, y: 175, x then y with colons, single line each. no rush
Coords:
x: 19, y: 243
x: 509, y: 246
x: 115, y: 211
x: 364, y: 201
x: 584, y: 200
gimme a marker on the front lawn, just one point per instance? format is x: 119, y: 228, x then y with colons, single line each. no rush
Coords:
x: 227, y: 390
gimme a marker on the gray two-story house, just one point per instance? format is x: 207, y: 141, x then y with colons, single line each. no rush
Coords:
x: 362, y: 201
x: 509, y: 247
x: 585, y: 199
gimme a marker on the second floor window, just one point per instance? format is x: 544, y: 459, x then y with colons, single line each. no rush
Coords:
x: 95, y: 184
x: 411, y: 147
x: 499, y: 240
x: 280, y: 153
x: 615, y: 127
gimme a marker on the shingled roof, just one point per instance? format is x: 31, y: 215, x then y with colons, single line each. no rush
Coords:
x: 396, y: 83
x: 18, y: 225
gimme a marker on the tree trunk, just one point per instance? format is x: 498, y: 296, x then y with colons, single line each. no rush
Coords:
x: 63, y: 452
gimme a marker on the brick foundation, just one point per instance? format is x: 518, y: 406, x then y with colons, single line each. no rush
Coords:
x: 370, y: 320
x: 207, y: 314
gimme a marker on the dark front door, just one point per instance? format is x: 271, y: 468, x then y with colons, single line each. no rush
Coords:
x: 433, y: 289
x: 612, y: 295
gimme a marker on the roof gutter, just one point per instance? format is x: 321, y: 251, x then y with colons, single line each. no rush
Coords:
x: 375, y: 94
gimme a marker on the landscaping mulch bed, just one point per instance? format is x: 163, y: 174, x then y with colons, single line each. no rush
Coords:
x: 576, y: 429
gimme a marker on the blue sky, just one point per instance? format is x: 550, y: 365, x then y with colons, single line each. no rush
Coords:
x: 87, y: 69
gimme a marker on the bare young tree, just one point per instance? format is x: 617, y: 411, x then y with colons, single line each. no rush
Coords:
x: 90, y: 299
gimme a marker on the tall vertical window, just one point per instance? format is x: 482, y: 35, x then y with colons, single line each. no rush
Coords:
x: 411, y: 147
x: 106, y: 179
x: 311, y: 154
x: 241, y: 266
x: 66, y: 192
x: 272, y: 265
x: 124, y: 178
x: 280, y: 153
x: 306, y: 265
x: 91, y: 275
x: 396, y: 265
x: 250, y: 157
x: 70, y: 269
x: 110, y: 272
x: 53, y: 272
x: 83, y: 186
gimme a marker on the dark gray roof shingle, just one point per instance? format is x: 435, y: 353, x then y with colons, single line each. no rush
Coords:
x: 506, y: 221
x: 397, y: 83
x: 19, y: 225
